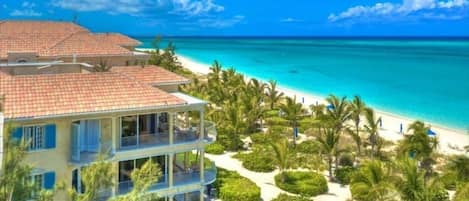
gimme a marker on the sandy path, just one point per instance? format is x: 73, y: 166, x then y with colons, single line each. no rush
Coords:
x: 266, y: 180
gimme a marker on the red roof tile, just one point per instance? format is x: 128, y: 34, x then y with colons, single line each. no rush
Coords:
x: 151, y: 75
x: 35, y: 96
x: 55, y: 39
x: 117, y: 39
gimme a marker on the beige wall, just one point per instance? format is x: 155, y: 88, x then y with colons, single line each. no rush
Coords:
x: 58, y: 159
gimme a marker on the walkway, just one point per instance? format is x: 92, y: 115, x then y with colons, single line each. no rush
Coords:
x: 266, y: 180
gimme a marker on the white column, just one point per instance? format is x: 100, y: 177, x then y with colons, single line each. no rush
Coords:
x: 115, y: 135
x: 170, y: 170
x: 202, y: 195
x: 202, y: 170
x: 171, y: 127
x: 1, y: 137
x: 202, y: 125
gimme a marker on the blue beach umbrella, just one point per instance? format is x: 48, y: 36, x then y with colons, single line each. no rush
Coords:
x: 430, y: 132
x: 330, y: 106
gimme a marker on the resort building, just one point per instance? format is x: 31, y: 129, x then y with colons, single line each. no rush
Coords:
x: 64, y: 42
x: 130, y: 114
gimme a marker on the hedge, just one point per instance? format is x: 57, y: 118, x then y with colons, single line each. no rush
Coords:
x: 286, y: 197
x: 344, y: 174
x: 215, y: 148
x: 303, y: 183
x: 234, y: 187
x: 256, y: 161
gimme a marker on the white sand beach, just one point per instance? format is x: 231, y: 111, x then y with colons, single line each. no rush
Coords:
x: 452, y: 141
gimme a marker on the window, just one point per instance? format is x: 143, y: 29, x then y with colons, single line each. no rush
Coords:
x: 34, y: 135
x: 38, y: 182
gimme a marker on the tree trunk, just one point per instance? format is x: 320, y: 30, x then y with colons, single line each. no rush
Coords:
x: 329, y: 160
x: 358, y: 142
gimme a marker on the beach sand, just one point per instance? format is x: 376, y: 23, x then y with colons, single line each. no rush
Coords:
x: 451, y: 141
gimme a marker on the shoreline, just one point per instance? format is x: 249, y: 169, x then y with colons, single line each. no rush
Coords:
x: 451, y: 140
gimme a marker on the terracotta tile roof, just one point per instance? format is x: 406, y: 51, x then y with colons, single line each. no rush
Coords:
x: 54, y: 39
x: 151, y: 75
x: 85, y: 44
x: 35, y: 96
x: 39, y: 27
x: 118, y: 39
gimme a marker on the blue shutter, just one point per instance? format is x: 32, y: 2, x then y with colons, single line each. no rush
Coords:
x: 50, y: 136
x: 49, y: 180
x: 18, y: 133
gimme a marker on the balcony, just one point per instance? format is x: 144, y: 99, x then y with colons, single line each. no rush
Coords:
x: 181, y: 135
x: 90, y: 139
x: 180, y: 179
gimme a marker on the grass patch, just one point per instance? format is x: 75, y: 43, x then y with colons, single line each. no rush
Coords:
x: 234, y: 187
x: 303, y: 183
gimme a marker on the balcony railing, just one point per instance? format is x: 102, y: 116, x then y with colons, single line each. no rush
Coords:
x: 80, y: 155
x: 181, y: 135
x: 180, y: 179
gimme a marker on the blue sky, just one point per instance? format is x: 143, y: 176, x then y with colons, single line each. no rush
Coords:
x: 253, y: 17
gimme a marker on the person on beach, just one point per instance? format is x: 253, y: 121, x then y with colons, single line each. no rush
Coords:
x: 401, y: 128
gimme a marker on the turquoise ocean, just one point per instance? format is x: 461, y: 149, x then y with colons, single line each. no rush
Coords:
x: 421, y: 78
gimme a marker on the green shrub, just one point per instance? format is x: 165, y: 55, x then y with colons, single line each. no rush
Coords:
x: 346, y: 160
x: 215, y: 148
x: 449, y: 180
x: 271, y: 113
x: 233, y: 187
x: 264, y: 138
x: 344, y: 174
x: 303, y: 183
x: 278, y: 130
x: 277, y: 121
x: 286, y: 197
x: 229, y: 140
x: 256, y: 161
x: 309, y: 147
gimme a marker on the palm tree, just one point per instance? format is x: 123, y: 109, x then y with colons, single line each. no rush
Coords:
x: 372, y: 182
x: 272, y: 94
x: 462, y: 192
x: 419, y: 145
x: 339, y: 111
x: 358, y: 108
x: 460, y: 166
x: 292, y: 111
x: 413, y: 186
x: 317, y: 110
x: 329, y: 141
x: 281, y: 156
x: 371, y: 128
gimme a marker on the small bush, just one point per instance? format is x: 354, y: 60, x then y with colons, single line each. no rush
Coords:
x: 229, y: 140
x: 309, y: 147
x: 303, y: 183
x: 233, y: 187
x: 215, y: 148
x: 271, y: 113
x: 256, y: 161
x: 286, y: 197
x: 344, y: 174
x: 346, y: 160
x: 278, y: 130
x: 277, y: 121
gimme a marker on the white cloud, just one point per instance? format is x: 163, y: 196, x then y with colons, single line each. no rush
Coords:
x: 426, y: 9
x: 27, y: 10
x: 219, y: 22
x: 290, y: 19
x: 142, y: 7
